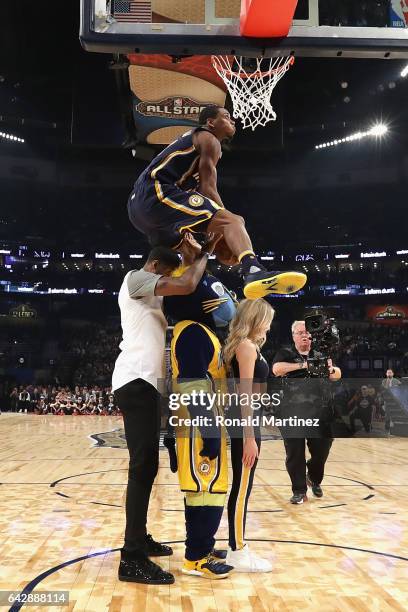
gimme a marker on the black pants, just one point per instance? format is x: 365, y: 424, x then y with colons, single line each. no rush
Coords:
x: 139, y: 403
x: 242, y: 480
x: 319, y: 449
x: 365, y: 416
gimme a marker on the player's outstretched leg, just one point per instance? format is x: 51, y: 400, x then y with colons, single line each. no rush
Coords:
x: 259, y: 282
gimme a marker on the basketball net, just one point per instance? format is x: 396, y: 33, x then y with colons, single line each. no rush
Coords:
x: 251, y: 92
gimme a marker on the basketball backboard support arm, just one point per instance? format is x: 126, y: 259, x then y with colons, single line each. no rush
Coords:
x: 266, y: 19
x: 100, y: 32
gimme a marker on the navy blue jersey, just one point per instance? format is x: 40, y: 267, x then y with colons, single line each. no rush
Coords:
x: 166, y: 199
x: 176, y: 165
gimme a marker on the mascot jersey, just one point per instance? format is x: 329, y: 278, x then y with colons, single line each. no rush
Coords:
x: 202, y: 450
x: 197, y: 366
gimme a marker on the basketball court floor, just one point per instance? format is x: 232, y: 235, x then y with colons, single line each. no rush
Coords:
x: 62, y: 522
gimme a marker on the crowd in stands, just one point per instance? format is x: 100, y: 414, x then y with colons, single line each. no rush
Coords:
x: 374, y: 339
x: 63, y: 400
x: 94, y: 353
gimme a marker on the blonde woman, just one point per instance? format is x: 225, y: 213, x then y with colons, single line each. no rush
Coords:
x: 244, y: 360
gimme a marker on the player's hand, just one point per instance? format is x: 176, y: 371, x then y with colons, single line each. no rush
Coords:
x: 191, y: 243
x: 211, y: 448
x: 189, y: 248
x: 250, y: 453
x: 211, y: 242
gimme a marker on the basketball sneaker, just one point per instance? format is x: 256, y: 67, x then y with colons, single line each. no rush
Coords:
x: 298, y: 498
x: 208, y: 567
x: 262, y: 283
x: 316, y: 489
x: 244, y: 560
x: 139, y: 568
x: 155, y: 549
x: 220, y: 554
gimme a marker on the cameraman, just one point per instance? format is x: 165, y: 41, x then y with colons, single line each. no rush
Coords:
x: 293, y: 363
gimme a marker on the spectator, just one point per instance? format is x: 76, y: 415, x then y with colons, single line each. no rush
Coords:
x: 389, y: 380
x: 362, y: 406
x: 14, y: 400
x: 24, y: 401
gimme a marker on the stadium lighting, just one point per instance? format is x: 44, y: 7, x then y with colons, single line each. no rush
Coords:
x: 404, y: 72
x: 11, y: 137
x: 378, y: 130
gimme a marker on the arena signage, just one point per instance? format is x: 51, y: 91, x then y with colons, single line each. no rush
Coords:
x: 376, y: 254
x: 23, y: 311
x: 379, y: 291
x: 172, y: 107
x: 107, y: 256
x: 390, y: 315
x: 399, y: 13
x: 304, y: 257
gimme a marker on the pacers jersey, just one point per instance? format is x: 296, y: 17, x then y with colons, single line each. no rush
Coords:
x: 177, y: 164
x: 197, y: 366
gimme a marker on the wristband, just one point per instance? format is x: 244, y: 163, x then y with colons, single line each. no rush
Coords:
x: 205, y: 253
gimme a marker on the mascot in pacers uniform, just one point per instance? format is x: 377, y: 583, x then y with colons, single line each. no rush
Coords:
x: 201, y: 451
x: 178, y: 192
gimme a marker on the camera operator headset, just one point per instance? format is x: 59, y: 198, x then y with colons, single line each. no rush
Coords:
x: 300, y: 361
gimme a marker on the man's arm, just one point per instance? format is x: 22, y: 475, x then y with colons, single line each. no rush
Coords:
x: 144, y: 284
x: 184, y: 284
x: 209, y: 149
x: 281, y: 368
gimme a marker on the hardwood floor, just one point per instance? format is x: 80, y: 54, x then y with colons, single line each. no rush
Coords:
x: 62, y: 521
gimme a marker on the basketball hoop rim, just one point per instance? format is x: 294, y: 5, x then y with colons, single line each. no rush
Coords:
x: 255, y: 74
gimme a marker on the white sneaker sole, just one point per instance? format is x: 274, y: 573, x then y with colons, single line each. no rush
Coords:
x: 251, y: 570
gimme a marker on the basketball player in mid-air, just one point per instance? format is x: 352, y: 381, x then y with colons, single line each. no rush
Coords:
x: 177, y: 193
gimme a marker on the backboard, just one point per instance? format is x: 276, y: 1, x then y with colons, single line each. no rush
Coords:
x: 320, y: 28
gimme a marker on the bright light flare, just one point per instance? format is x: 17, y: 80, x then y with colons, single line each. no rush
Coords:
x: 378, y: 130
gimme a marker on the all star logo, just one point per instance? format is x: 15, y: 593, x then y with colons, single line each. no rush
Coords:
x: 172, y: 108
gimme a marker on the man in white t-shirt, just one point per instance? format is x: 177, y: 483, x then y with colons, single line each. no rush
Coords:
x: 136, y: 380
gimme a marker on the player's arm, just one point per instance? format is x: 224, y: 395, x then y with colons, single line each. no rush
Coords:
x: 145, y: 284
x: 184, y: 284
x: 209, y: 149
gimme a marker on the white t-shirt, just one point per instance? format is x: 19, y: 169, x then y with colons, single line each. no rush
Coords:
x: 144, y: 331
